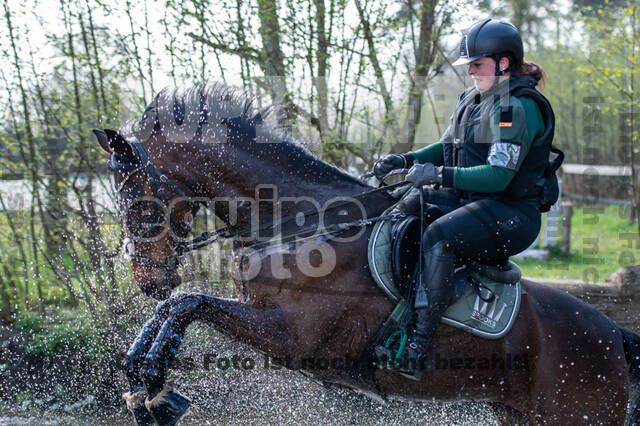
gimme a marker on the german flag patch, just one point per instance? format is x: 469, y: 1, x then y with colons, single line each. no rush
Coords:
x: 506, y: 114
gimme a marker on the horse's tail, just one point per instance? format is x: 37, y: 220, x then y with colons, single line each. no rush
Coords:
x: 631, y: 342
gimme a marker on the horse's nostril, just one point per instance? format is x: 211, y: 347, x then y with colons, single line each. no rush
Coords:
x: 158, y: 293
x: 173, y: 281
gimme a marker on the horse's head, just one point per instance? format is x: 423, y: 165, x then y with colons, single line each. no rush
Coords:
x: 211, y: 142
x: 156, y: 213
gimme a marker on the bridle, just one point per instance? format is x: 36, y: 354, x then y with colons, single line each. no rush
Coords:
x: 156, y: 179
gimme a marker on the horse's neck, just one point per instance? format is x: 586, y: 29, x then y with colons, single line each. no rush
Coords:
x: 243, y: 184
x: 236, y: 185
x: 274, y: 201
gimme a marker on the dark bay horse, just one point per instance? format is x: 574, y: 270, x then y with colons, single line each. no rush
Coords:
x: 314, y: 298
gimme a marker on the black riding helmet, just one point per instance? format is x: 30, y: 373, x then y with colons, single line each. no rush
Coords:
x: 491, y: 38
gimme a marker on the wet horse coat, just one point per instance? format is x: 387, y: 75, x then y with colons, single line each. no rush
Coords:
x: 573, y: 365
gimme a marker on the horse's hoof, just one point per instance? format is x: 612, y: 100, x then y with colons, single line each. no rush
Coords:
x: 135, y: 405
x: 168, y: 406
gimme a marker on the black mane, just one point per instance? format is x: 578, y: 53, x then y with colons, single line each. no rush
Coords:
x: 210, y: 100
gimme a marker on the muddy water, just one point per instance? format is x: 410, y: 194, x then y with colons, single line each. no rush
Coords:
x: 273, y: 397
x: 33, y: 419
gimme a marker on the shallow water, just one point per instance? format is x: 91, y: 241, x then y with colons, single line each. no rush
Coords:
x: 256, y: 396
x: 271, y: 397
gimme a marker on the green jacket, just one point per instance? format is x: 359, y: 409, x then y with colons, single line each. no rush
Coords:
x: 525, y: 126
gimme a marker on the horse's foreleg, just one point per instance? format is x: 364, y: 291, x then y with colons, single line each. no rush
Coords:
x: 166, y: 344
x: 135, y: 357
x: 263, y: 328
x: 141, y: 345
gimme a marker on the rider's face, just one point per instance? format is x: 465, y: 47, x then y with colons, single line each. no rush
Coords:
x: 483, y: 72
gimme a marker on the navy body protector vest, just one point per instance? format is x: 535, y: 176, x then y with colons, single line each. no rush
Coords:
x: 536, y: 178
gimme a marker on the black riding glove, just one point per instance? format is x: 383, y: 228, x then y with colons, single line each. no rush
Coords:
x: 424, y: 174
x: 391, y: 162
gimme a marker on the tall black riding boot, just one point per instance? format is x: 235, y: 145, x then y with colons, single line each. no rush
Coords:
x: 439, y: 262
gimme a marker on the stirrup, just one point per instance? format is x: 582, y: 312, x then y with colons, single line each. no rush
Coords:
x: 384, y: 354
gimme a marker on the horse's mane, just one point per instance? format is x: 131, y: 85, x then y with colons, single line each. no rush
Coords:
x: 208, y: 105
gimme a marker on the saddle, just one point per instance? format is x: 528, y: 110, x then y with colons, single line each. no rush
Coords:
x: 486, y: 298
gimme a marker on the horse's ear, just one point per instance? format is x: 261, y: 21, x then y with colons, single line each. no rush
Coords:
x: 117, y: 144
x: 103, y: 140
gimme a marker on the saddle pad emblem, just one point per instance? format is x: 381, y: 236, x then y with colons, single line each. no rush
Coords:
x: 477, y: 312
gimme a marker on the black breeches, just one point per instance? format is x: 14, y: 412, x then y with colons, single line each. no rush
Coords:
x: 483, y: 230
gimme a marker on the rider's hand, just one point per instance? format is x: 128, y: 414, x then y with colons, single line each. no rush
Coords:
x: 424, y: 174
x: 391, y: 162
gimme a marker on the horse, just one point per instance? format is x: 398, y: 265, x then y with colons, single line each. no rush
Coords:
x: 312, y: 297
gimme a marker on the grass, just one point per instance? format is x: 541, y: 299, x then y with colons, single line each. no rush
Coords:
x: 38, y: 269
x: 602, y: 241
x: 48, y: 339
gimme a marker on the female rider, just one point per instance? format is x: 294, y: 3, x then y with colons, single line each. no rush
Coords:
x: 489, y: 164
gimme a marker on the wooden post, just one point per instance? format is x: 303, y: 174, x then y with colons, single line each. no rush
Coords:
x: 627, y: 281
x: 567, y: 213
x: 626, y: 309
x: 551, y: 225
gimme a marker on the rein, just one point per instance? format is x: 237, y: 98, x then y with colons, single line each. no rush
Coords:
x: 209, y: 237
x: 155, y: 178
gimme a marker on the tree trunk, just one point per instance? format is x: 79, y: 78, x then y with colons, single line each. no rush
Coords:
x: 149, y: 51
x: 272, y: 58
x: 96, y: 58
x: 424, y: 58
x: 32, y: 161
x: 136, y: 52
x: 389, y: 116
x: 635, y: 135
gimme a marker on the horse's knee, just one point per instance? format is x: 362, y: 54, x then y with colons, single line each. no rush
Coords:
x: 174, y: 299
x: 163, y: 308
x: 185, y: 308
x: 177, y: 301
